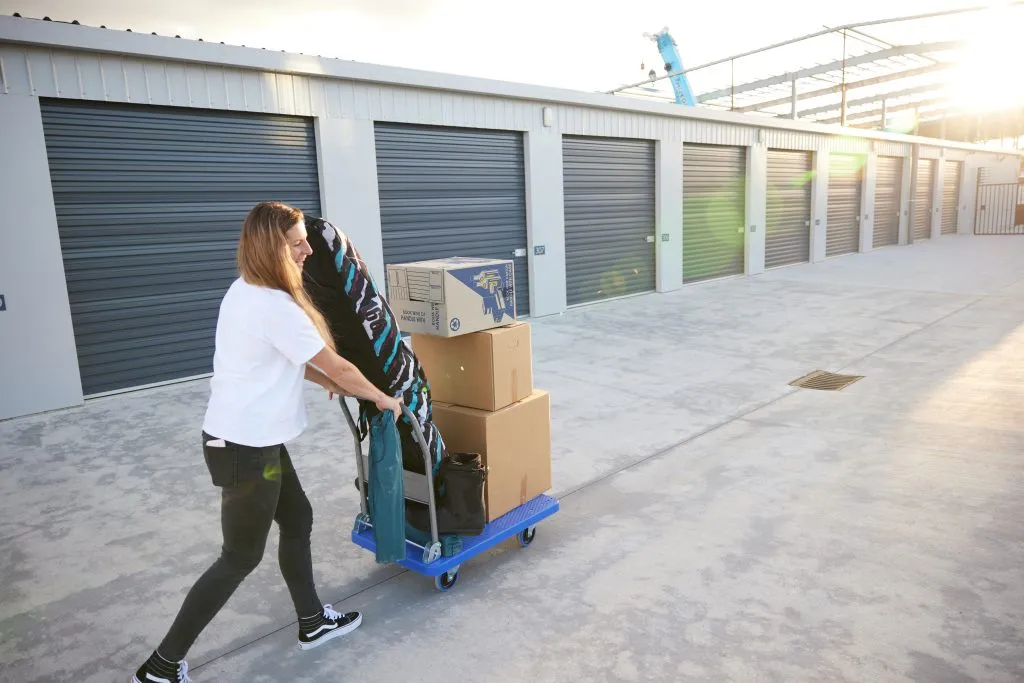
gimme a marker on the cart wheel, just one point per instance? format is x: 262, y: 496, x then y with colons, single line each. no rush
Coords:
x: 432, y: 553
x: 526, y: 536
x: 446, y: 581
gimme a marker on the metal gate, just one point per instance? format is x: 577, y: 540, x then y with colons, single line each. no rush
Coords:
x: 453, y: 192
x: 950, y: 196
x: 924, y: 200
x: 714, y: 211
x: 888, y: 188
x: 609, y: 217
x: 788, y: 235
x: 1000, y: 209
x: 844, y: 194
x: 150, y: 202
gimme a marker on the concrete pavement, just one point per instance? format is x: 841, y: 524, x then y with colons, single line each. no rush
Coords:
x: 717, y: 524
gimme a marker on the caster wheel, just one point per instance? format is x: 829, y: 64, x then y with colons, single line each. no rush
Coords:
x: 446, y: 581
x: 526, y: 536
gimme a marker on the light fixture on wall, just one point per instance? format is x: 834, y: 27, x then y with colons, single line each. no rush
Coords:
x: 548, y: 116
x: 760, y: 135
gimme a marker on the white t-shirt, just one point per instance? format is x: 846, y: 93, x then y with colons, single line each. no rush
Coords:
x: 264, y: 340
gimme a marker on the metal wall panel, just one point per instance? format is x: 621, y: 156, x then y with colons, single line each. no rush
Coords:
x: 893, y: 149
x: 782, y: 139
x: 888, y: 188
x: 453, y: 192
x: 149, y: 204
x: 708, y: 133
x: 924, y: 199
x: 951, y: 196
x: 788, y: 238
x: 845, y: 174
x: 714, y: 210
x: 77, y: 74
x: 609, y: 187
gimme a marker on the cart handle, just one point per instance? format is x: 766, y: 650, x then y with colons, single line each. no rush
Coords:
x: 421, y: 441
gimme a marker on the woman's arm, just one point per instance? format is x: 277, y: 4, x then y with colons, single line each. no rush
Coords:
x: 351, y: 382
x: 317, y: 377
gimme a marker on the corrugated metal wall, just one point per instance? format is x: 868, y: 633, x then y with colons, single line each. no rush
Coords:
x: 149, y: 204
x: 888, y: 188
x: 75, y: 74
x: 951, y: 196
x: 453, y: 192
x: 788, y: 234
x: 923, y: 199
x: 714, y: 210
x: 610, y: 225
x: 845, y: 173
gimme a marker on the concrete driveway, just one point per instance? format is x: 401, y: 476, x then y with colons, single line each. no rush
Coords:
x: 716, y: 524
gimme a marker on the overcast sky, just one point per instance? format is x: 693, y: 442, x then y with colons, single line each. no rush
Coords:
x: 576, y: 44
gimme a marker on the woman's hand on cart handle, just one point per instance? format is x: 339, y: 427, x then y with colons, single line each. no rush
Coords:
x: 393, y: 404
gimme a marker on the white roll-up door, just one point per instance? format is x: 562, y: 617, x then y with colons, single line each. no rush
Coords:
x: 788, y: 237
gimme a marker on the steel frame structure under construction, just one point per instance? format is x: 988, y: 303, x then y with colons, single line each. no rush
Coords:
x: 888, y: 74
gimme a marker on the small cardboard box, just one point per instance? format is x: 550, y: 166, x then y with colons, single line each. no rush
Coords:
x: 515, y: 443
x: 453, y: 296
x: 487, y: 370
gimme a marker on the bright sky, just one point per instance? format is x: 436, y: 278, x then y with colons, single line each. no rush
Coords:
x: 576, y: 44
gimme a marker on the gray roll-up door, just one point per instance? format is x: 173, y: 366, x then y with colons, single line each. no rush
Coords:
x: 609, y: 217
x: 844, y: 191
x: 788, y: 235
x: 888, y: 188
x: 950, y: 196
x: 714, y: 211
x: 923, y: 199
x: 453, y: 192
x: 150, y: 202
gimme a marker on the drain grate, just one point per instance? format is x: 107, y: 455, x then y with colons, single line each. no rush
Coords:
x: 823, y: 380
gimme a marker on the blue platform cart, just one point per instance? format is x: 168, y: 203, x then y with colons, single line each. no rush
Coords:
x: 520, y: 523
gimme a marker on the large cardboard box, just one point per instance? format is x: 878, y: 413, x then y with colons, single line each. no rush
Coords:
x: 487, y: 370
x: 453, y: 296
x: 515, y: 443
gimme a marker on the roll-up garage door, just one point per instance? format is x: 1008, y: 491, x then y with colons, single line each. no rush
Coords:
x: 150, y: 202
x: 923, y: 199
x: 788, y: 237
x: 714, y: 211
x: 888, y: 187
x: 844, y: 191
x: 950, y: 197
x: 453, y: 192
x: 609, y: 217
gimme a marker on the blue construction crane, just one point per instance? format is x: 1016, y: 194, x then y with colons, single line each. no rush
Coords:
x: 674, y: 65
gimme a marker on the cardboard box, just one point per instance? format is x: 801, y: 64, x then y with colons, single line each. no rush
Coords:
x: 515, y: 443
x: 453, y: 296
x: 487, y: 370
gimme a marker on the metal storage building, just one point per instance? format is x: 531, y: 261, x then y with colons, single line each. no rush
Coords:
x: 130, y: 161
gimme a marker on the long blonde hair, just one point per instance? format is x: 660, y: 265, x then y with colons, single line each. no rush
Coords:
x: 264, y: 259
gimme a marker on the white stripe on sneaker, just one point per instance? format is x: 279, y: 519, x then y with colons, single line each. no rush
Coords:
x: 325, y: 627
x: 156, y: 679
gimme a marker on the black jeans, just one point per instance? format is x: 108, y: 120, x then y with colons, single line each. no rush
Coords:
x: 259, y: 485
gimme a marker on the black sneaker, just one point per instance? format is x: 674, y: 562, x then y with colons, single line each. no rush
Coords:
x: 318, y: 629
x: 159, y: 670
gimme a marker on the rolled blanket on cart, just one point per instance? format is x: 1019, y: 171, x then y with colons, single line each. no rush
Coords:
x: 366, y: 333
